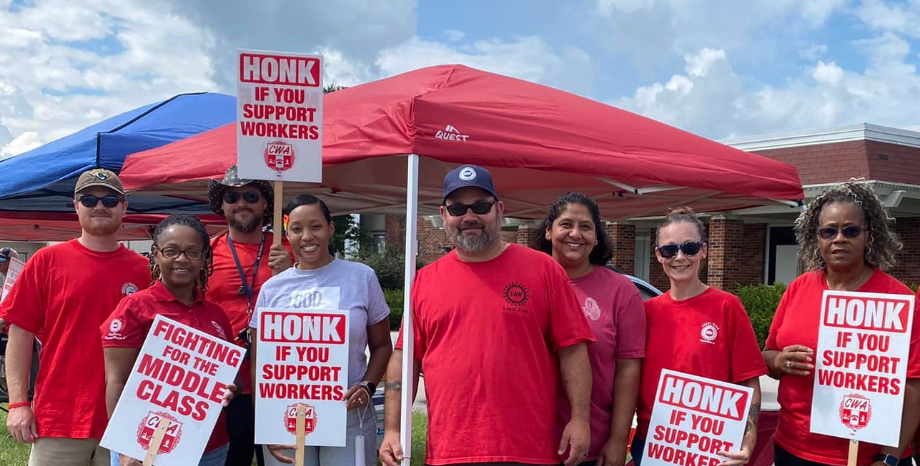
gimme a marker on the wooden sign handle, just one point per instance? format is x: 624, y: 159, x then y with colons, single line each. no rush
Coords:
x: 854, y: 452
x: 155, y: 442
x: 301, y: 434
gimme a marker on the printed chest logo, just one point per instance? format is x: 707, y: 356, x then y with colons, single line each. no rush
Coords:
x: 220, y: 330
x: 709, y: 332
x: 306, y: 299
x: 591, y: 309
x: 516, y: 295
x: 128, y: 288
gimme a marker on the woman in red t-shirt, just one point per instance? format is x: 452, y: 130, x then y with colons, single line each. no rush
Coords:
x: 696, y: 329
x: 845, y: 241
x: 180, y: 263
x: 574, y: 235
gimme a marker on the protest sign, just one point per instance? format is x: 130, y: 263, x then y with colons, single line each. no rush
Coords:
x: 181, y: 375
x: 11, y: 275
x: 301, y: 360
x: 693, y: 419
x: 279, y: 116
x: 861, y: 365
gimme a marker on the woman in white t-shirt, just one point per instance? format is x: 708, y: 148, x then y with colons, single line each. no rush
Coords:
x: 320, y: 281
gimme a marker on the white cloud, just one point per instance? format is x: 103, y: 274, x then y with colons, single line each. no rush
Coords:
x: 711, y: 99
x: 903, y: 18
x: 53, y: 82
x: 528, y: 58
x: 653, y: 32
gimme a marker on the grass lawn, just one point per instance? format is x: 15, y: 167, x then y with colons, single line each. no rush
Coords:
x: 12, y: 453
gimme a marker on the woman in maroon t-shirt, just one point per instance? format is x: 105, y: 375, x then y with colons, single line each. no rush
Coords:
x: 179, y: 265
x: 574, y: 235
x: 845, y: 240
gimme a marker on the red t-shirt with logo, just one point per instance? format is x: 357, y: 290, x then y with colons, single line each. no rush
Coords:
x: 796, y: 323
x: 64, y: 293
x: 614, y: 312
x: 225, y: 283
x: 486, y: 334
x: 128, y: 326
x: 708, y: 335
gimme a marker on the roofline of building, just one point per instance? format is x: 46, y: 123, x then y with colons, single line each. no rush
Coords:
x: 860, y: 132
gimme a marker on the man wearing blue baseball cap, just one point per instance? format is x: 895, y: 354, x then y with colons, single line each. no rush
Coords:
x: 496, y: 327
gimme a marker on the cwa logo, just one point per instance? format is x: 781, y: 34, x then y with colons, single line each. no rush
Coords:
x: 451, y: 133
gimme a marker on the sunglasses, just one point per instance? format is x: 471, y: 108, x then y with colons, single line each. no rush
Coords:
x: 107, y: 201
x: 251, y: 197
x: 173, y: 253
x: 478, y: 208
x: 851, y: 231
x: 690, y: 249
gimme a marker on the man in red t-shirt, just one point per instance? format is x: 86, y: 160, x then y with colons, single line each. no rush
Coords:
x: 494, y: 325
x: 65, y: 292
x: 244, y: 259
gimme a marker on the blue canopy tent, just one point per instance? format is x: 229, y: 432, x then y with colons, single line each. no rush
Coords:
x: 42, y: 180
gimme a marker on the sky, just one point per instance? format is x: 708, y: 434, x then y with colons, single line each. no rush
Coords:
x: 718, y: 68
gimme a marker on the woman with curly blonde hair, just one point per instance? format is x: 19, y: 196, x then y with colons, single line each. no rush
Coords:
x: 847, y: 242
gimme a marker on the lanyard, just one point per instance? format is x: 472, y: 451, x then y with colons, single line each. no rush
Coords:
x: 246, y: 289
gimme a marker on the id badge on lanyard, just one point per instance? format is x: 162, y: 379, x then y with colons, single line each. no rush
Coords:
x: 246, y: 289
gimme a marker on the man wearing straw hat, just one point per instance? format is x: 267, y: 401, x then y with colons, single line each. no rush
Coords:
x: 244, y: 259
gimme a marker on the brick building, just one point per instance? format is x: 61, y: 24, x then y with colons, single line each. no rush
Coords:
x: 754, y: 245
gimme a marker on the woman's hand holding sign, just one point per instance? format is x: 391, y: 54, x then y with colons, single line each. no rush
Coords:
x: 794, y: 360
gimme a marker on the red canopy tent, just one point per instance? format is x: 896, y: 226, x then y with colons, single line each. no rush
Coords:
x: 538, y: 142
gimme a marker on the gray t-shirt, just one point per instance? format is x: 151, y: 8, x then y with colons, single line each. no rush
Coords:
x: 341, y: 284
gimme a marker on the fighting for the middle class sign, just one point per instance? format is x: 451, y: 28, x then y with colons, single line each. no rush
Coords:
x: 693, y: 419
x: 861, y: 365
x: 301, y: 358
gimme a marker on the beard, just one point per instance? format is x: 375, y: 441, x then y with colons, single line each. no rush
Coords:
x: 245, y: 226
x: 101, y: 228
x: 474, y: 244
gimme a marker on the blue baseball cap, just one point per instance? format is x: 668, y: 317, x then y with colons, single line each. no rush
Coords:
x: 5, y: 254
x: 466, y: 176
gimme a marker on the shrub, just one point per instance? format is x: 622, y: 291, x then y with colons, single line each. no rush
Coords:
x: 390, y: 269
x: 395, y: 302
x: 761, y: 302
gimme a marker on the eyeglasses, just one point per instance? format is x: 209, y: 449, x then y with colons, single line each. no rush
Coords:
x: 107, y: 201
x: 478, y: 208
x: 173, y: 253
x: 690, y: 249
x: 250, y: 197
x: 851, y: 231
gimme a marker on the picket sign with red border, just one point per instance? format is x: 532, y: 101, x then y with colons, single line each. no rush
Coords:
x: 301, y: 359
x: 180, y: 374
x: 861, y: 365
x: 12, y: 274
x: 693, y: 418
x: 279, y: 116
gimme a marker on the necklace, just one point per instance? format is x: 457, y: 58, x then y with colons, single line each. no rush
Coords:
x: 855, y: 285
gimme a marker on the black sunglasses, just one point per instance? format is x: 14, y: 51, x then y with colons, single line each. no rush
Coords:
x: 250, y: 197
x: 478, y: 208
x: 107, y: 201
x: 690, y: 249
x: 851, y: 231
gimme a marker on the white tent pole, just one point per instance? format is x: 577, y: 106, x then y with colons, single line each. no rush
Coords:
x: 408, y: 334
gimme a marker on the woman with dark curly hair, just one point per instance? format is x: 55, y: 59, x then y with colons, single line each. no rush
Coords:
x: 180, y: 263
x: 574, y: 235
x: 846, y: 242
